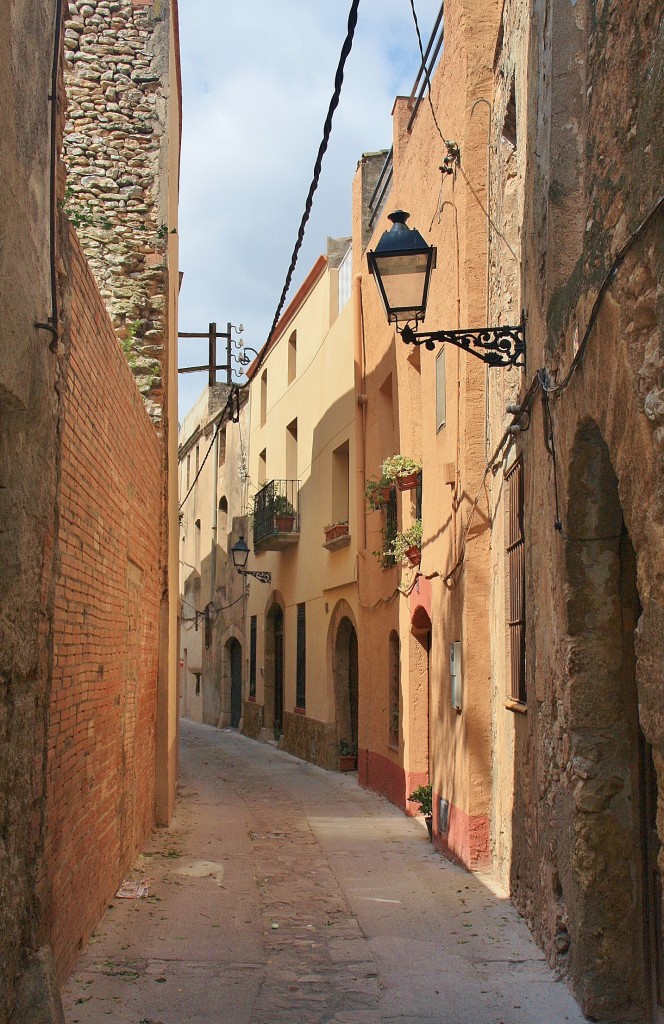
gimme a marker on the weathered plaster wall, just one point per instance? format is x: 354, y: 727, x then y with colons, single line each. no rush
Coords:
x: 588, y: 168
x: 401, y: 416
x: 29, y: 424
x: 120, y: 87
x: 103, y: 706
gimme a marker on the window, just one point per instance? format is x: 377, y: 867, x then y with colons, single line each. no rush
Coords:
x: 188, y: 468
x: 390, y: 526
x: 517, y: 582
x: 441, y: 395
x: 252, y: 656
x: 301, y: 669
x: 221, y: 446
x: 197, y: 545
x: 292, y: 357
x: 291, y: 450
x: 197, y: 677
x: 345, y: 278
x: 198, y: 459
x: 263, y: 397
x: 222, y: 524
x: 340, y: 483
x: 394, y: 674
x: 262, y: 467
x: 509, y: 124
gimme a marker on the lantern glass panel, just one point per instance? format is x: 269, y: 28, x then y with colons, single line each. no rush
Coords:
x: 404, y: 283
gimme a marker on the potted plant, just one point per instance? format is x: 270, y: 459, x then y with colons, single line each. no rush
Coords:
x: 347, y: 756
x: 403, y: 471
x: 424, y: 798
x: 283, y: 513
x: 335, y: 530
x: 377, y: 492
x: 407, y: 545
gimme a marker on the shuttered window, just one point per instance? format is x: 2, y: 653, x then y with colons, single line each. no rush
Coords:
x: 301, y: 676
x: 517, y: 583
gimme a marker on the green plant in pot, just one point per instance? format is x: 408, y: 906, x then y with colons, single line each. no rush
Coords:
x: 423, y: 796
x: 347, y: 756
x: 377, y: 492
x: 408, y: 544
x: 282, y: 511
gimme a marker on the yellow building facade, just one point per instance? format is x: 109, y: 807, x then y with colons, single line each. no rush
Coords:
x: 302, y: 683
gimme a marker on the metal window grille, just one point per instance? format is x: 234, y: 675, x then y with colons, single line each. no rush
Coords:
x: 517, y: 582
x: 390, y: 526
x: 252, y: 656
x: 301, y: 676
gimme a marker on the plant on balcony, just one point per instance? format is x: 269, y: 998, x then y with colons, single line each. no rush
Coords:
x: 402, y: 470
x: 280, y: 508
x: 377, y: 492
x: 334, y: 530
x: 407, y: 545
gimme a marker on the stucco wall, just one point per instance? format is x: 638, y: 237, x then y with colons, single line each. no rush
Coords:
x: 102, y: 721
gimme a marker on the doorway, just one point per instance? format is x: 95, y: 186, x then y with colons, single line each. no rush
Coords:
x: 346, y: 681
x: 235, y: 654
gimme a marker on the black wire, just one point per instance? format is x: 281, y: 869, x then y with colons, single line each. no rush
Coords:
x: 232, y: 406
x: 551, y: 445
x: 334, y: 102
x: 53, y: 321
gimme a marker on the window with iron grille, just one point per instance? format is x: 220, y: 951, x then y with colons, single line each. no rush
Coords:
x: 390, y: 527
x: 394, y: 669
x: 252, y: 656
x: 517, y: 582
x: 301, y: 673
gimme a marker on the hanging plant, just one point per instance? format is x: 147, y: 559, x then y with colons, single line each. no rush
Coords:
x: 377, y: 492
x: 407, y: 545
x: 402, y: 470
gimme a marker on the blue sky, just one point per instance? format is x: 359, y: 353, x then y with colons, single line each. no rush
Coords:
x: 257, y: 81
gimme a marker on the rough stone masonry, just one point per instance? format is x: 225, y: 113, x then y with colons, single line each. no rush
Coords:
x: 116, y: 80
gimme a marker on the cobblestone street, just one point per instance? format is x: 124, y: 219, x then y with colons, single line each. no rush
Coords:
x: 286, y: 894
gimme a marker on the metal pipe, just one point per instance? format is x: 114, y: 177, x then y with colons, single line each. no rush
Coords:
x: 360, y: 427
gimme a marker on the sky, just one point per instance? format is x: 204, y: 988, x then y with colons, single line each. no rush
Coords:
x: 257, y: 79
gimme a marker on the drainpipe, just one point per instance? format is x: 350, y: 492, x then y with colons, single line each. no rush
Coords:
x: 360, y: 402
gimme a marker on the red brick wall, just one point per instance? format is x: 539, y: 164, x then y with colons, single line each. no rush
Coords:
x: 101, y: 758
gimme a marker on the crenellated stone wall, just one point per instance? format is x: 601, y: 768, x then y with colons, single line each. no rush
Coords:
x: 116, y: 73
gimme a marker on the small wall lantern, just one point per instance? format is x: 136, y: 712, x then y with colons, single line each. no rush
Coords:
x: 401, y: 264
x: 240, y: 554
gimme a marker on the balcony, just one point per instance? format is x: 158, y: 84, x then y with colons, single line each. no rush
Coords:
x: 277, y: 515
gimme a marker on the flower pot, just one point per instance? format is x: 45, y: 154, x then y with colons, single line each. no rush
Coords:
x: 428, y: 821
x: 408, y: 482
x: 284, y: 523
x: 338, y: 530
x: 413, y: 555
x: 347, y: 762
x: 385, y: 493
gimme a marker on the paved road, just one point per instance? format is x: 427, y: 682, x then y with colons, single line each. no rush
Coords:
x: 284, y: 894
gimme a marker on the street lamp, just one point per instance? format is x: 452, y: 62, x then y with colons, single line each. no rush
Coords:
x: 240, y: 554
x: 402, y: 263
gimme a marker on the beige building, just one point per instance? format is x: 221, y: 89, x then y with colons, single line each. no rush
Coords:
x: 213, y: 486
x: 302, y: 627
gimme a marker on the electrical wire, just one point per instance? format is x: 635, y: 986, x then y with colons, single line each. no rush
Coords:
x: 327, y: 128
x: 52, y: 325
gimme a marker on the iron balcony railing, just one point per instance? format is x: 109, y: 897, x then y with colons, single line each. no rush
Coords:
x: 277, y: 512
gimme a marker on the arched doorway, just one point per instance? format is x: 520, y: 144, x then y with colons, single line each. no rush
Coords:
x: 420, y: 625
x: 235, y: 658
x: 274, y: 670
x: 610, y: 882
x: 346, y: 685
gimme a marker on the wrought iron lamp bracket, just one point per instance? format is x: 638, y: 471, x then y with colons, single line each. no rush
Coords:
x: 263, y: 577
x: 495, y: 346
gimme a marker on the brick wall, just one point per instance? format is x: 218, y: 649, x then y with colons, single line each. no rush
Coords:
x: 101, y: 756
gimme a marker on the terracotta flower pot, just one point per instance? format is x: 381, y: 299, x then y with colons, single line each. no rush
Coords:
x: 347, y: 762
x: 284, y: 523
x: 338, y: 530
x: 413, y: 555
x: 408, y: 482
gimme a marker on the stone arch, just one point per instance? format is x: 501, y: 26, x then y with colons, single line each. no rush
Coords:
x: 604, y: 798
x: 342, y: 658
x: 231, y: 639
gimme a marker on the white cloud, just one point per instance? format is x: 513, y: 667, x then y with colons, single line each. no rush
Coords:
x: 257, y: 81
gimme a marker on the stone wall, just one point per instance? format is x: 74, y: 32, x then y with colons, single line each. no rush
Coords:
x: 588, y: 752
x: 101, y: 755
x: 116, y: 73
x: 311, y: 740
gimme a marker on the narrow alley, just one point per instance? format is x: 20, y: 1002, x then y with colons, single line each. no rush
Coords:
x: 286, y: 893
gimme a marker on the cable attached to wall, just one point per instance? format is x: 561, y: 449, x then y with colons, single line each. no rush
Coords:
x: 52, y: 325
